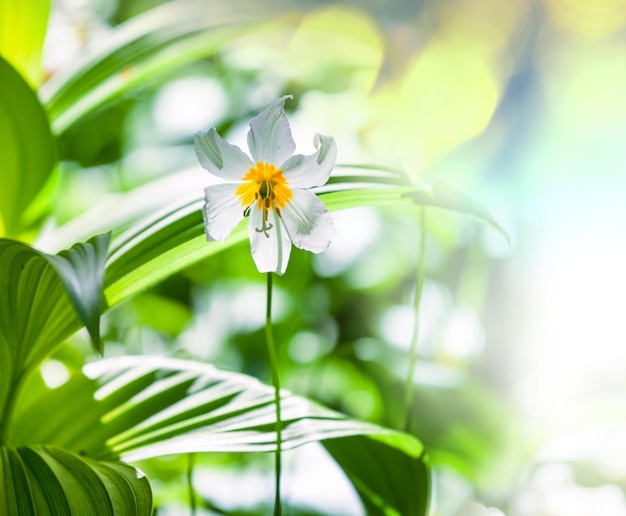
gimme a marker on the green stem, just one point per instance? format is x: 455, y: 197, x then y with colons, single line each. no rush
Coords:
x: 419, y: 286
x: 13, y: 394
x: 192, y: 496
x: 269, y: 337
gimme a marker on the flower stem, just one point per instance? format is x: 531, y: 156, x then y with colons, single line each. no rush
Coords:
x: 269, y: 337
x: 192, y: 497
x: 419, y: 285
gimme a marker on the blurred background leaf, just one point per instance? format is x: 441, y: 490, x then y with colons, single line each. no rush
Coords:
x: 22, y: 30
x: 150, y: 44
x: 27, y: 148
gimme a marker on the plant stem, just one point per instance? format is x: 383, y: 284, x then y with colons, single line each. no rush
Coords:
x: 419, y: 285
x: 13, y: 393
x: 192, y: 497
x: 269, y: 337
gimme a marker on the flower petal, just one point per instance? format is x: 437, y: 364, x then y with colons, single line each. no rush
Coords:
x: 221, y: 158
x: 314, y: 170
x: 308, y: 222
x: 269, y: 138
x: 222, y: 210
x: 270, y: 249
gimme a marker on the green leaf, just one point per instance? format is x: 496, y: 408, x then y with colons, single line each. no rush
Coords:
x: 174, y: 239
x: 36, y: 313
x: 81, y: 270
x: 167, y: 242
x: 438, y: 194
x: 22, y: 31
x: 140, y: 407
x: 370, y: 173
x: 448, y: 197
x: 153, y: 43
x: 158, y: 248
x: 27, y: 154
x: 367, y: 460
x: 42, y: 480
x: 148, y: 406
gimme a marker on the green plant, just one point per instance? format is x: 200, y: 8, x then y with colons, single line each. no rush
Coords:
x: 69, y: 450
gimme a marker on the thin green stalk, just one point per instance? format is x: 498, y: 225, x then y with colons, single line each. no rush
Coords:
x: 419, y: 286
x: 269, y: 337
x: 192, y: 495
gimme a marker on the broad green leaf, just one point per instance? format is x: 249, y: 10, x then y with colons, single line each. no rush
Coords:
x: 22, y: 31
x: 48, y: 481
x: 81, y: 270
x: 367, y: 460
x: 27, y: 153
x: 153, y: 43
x: 36, y: 313
x: 140, y: 407
x: 144, y: 406
x: 158, y: 248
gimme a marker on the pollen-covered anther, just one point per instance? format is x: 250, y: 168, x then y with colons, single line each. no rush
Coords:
x: 265, y: 186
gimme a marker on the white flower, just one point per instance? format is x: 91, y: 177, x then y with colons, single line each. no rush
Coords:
x: 270, y: 189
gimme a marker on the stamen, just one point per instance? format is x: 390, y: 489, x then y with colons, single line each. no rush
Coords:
x: 265, y: 186
x: 265, y: 228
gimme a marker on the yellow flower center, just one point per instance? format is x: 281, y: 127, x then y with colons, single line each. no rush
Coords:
x: 266, y: 186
